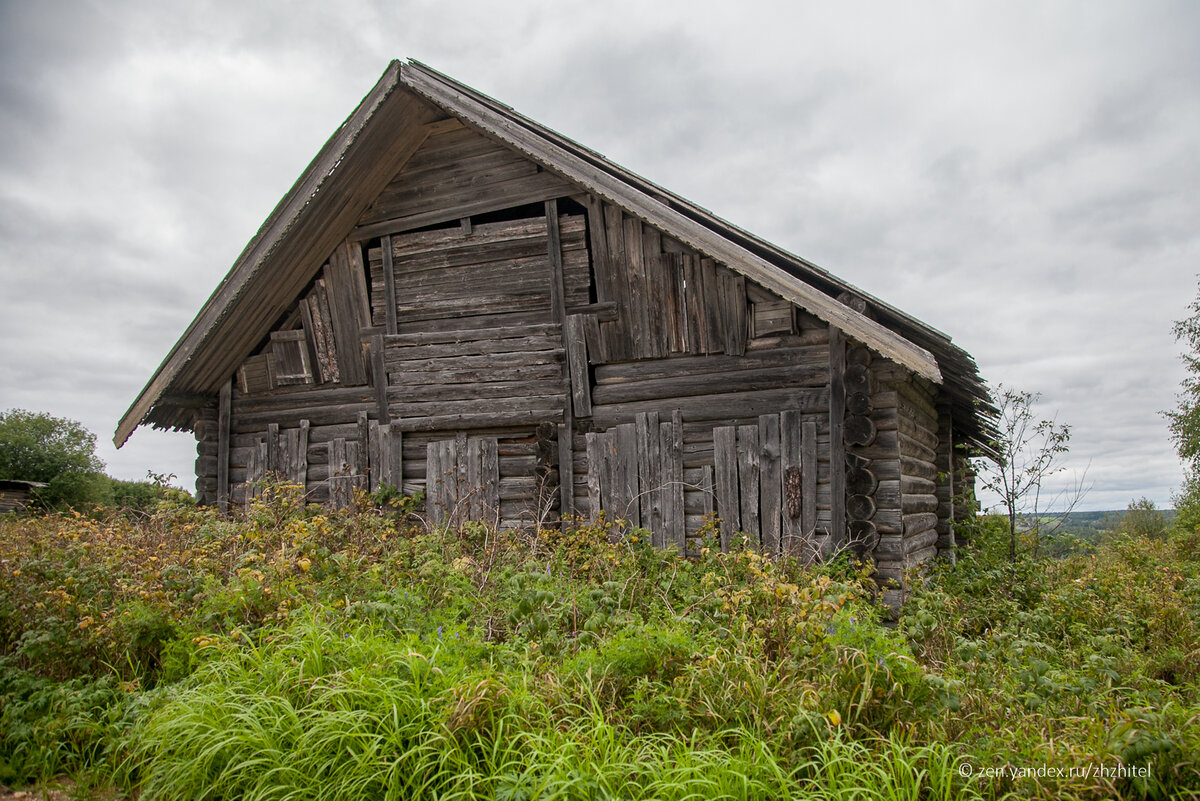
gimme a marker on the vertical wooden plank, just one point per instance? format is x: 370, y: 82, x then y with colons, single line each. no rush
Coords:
x: 391, y: 442
x: 620, y: 331
x: 602, y: 277
x: 566, y: 472
x: 748, y: 482
x: 594, y: 342
x: 808, y: 478
x: 389, y: 285
x: 473, y: 505
x: 733, y: 312
x: 338, y: 468
x: 577, y: 363
x: 837, y: 445
x: 289, y: 447
x: 300, y: 474
x: 223, y: 404
x: 656, y: 295
x: 364, y: 447
x: 626, y: 449
x: 350, y: 309
x: 711, y: 299
x: 693, y: 304
x: 558, y: 306
x: 601, y: 267
x: 639, y: 310
x: 675, y: 309
x: 650, y: 474
x: 379, y: 378
x: 725, y: 471
x: 435, y: 504
x: 356, y: 478
x: 770, y: 485
x: 707, y: 493
x: 489, y: 468
x: 674, y: 520
x: 274, y: 461
x: 376, y: 469
x: 322, y: 322
x: 596, y: 471
x: 460, y: 488
x: 791, y: 472
x: 612, y: 484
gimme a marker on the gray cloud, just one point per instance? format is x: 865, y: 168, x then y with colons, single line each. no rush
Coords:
x: 1022, y: 176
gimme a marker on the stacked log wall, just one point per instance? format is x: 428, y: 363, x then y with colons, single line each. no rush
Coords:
x: 946, y: 488
x: 204, y: 426
x: 907, y: 448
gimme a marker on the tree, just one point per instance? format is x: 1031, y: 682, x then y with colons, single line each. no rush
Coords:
x: 1142, y: 519
x: 35, y: 446
x: 1184, y: 421
x: 1028, y: 452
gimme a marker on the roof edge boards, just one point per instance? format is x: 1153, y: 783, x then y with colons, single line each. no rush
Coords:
x: 281, y: 220
x: 884, y: 341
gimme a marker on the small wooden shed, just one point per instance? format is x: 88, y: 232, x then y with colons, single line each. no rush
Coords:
x: 15, y: 494
x: 453, y: 298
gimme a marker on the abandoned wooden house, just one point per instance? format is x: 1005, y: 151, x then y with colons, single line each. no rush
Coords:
x: 455, y: 299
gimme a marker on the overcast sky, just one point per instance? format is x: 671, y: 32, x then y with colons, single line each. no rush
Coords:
x: 1023, y: 176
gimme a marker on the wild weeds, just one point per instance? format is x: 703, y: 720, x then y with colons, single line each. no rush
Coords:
x: 299, y: 653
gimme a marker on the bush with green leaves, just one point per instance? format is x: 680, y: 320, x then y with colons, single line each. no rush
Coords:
x: 61, y: 453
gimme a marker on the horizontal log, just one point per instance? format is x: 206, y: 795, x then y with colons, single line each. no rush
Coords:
x: 300, y: 396
x: 398, y: 354
x: 719, y: 407
x: 887, y: 494
x: 415, y: 385
x: 715, y: 363
x: 922, y: 557
x: 491, y: 333
x: 454, y: 422
x: 918, y: 399
x: 919, y: 503
x: 708, y: 383
x: 919, y: 522
x: 911, y: 447
x: 920, y: 468
x: 503, y: 408
x: 290, y: 418
x: 917, y: 485
x: 915, y: 431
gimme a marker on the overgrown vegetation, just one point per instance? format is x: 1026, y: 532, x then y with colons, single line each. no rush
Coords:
x: 296, y: 652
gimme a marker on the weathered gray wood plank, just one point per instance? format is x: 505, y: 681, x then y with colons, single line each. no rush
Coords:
x: 749, y: 482
x: 771, y: 483
x: 725, y: 469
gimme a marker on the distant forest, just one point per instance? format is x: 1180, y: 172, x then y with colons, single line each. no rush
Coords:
x: 1084, y: 530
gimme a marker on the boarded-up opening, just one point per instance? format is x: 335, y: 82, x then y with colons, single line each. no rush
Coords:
x: 765, y: 482
x: 462, y: 480
x: 635, y: 473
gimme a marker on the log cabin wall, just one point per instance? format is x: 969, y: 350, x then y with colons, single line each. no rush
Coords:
x: 903, y: 458
x: 705, y: 395
x: 204, y: 426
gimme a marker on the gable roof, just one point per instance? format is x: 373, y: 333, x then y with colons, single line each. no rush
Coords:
x: 382, y: 133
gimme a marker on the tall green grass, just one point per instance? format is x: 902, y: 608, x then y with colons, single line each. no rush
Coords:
x: 321, y: 712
